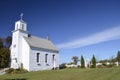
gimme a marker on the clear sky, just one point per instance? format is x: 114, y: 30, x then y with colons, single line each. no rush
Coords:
x: 77, y: 27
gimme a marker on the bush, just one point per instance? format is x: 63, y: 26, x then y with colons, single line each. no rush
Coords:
x: 16, y: 71
x: 92, y: 66
x: 10, y: 71
x: 62, y: 66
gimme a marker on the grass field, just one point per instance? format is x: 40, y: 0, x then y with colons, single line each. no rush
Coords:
x: 68, y: 74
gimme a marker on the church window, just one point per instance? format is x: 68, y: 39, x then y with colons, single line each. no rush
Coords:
x: 53, y: 58
x: 46, y: 56
x: 22, y: 26
x: 14, y: 46
x: 38, y: 57
x: 17, y: 26
x: 16, y: 60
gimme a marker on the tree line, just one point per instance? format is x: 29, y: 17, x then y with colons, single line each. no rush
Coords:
x: 112, y: 60
x: 5, y: 51
x: 82, y: 61
x: 93, y: 61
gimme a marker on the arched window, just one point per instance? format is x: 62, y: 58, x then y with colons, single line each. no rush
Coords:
x: 22, y: 26
x: 46, y: 56
x: 38, y: 57
x: 17, y: 26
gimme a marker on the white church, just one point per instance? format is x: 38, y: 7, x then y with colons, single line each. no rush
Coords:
x: 34, y: 53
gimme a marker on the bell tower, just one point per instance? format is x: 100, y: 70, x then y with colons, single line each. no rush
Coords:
x: 18, y: 34
x: 21, y: 25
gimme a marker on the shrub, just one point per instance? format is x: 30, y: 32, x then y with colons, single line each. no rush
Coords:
x: 10, y: 71
x: 62, y: 66
x: 16, y: 71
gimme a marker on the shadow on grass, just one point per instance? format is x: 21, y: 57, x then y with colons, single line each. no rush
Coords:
x: 16, y: 79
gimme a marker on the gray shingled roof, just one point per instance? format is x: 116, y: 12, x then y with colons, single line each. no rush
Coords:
x: 37, y: 42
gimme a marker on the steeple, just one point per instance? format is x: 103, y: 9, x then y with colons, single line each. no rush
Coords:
x: 20, y: 24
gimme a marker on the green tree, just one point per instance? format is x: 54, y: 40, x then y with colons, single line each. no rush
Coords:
x: 118, y: 56
x: 5, y: 52
x: 1, y: 46
x: 82, y: 62
x: 75, y: 60
x: 4, y: 57
x: 8, y: 41
x: 93, y: 62
x: 104, y: 62
x: 62, y: 66
x: 112, y: 61
x: 1, y: 43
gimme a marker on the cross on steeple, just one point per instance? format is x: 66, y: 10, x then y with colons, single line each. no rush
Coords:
x: 21, y: 16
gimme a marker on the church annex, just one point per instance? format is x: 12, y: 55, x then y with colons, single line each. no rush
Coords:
x: 32, y: 52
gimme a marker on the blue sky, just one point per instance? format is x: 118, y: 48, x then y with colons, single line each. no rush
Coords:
x: 77, y: 27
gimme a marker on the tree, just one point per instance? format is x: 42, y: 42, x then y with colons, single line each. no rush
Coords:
x: 112, y: 61
x: 5, y: 52
x: 1, y: 46
x: 1, y: 43
x: 93, y: 62
x: 4, y: 57
x: 75, y: 60
x: 118, y: 56
x: 104, y: 62
x: 8, y: 41
x: 82, y: 62
x: 62, y: 66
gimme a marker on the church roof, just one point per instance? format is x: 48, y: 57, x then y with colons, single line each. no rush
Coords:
x: 41, y: 43
x: 22, y: 21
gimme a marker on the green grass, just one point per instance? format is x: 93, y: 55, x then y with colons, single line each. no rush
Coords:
x: 68, y: 74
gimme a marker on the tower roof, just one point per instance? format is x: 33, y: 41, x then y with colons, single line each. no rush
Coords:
x: 22, y: 21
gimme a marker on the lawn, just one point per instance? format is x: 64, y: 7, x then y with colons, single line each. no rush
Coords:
x: 68, y: 74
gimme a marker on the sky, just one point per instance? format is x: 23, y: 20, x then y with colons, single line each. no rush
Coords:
x: 76, y: 27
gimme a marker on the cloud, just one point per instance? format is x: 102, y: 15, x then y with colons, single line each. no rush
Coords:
x: 105, y: 35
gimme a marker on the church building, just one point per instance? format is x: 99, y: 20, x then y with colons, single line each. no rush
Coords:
x: 31, y: 52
